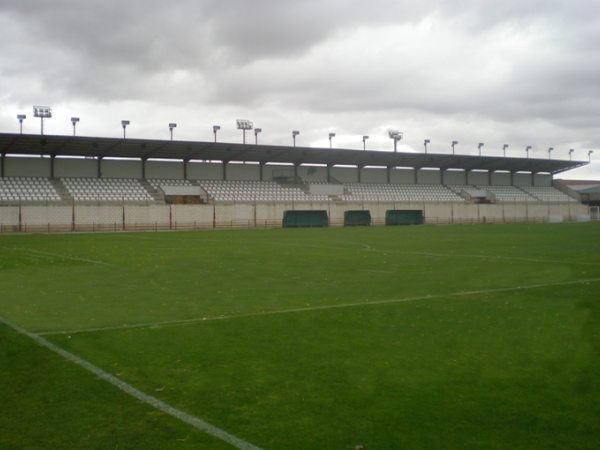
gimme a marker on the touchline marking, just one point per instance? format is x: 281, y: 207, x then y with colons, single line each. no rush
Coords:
x: 152, y: 401
x: 316, y: 308
x: 56, y: 255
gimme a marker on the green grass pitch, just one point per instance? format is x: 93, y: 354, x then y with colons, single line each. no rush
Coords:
x: 465, y: 337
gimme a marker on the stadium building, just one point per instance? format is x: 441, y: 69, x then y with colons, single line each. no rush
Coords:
x: 73, y: 183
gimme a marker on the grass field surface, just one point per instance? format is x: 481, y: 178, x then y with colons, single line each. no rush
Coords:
x: 465, y: 337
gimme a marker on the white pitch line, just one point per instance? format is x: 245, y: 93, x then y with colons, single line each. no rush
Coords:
x: 56, y: 255
x: 317, y: 308
x: 152, y: 401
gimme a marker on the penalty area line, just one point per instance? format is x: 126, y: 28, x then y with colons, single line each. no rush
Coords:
x: 174, y: 323
x: 139, y: 395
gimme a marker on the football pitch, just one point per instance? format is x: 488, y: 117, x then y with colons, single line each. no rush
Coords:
x: 463, y: 337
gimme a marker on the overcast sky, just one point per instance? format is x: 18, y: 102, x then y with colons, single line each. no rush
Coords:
x: 516, y: 72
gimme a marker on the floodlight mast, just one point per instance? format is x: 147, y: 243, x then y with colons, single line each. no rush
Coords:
x: 365, y: 142
x: 550, y: 152
x: 256, y: 131
x: 74, y: 121
x: 171, y: 126
x: 504, y: 147
x: 243, y: 124
x: 527, y: 150
x: 453, y: 144
x: 479, y: 147
x: 215, y: 129
x: 427, y: 141
x: 21, y: 118
x: 331, y: 135
x: 124, y: 123
x: 294, y: 134
x: 42, y: 112
x: 396, y: 136
x: 571, y: 154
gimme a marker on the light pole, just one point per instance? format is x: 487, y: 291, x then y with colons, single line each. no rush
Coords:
x: 571, y: 154
x: 365, y: 142
x: 527, y: 150
x: 124, y: 123
x: 396, y: 136
x: 243, y: 124
x: 590, y: 155
x: 453, y: 144
x: 294, y: 134
x: 331, y: 135
x: 21, y: 118
x: 504, y: 147
x: 74, y: 121
x: 256, y: 131
x: 215, y: 129
x: 550, y: 152
x: 479, y: 147
x: 171, y: 126
x: 427, y: 141
x: 42, y: 112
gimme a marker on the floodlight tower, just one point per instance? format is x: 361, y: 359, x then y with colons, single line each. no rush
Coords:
x: 527, y: 150
x: 453, y: 144
x: 427, y: 141
x: 124, y: 123
x: 256, y: 131
x: 550, y: 152
x: 365, y: 142
x: 504, y: 147
x: 590, y: 155
x: 479, y: 147
x: 171, y: 126
x: 331, y: 135
x: 42, y: 112
x: 21, y: 118
x: 243, y: 124
x: 571, y: 154
x: 396, y: 136
x: 215, y: 129
x: 74, y: 121
x: 294, y: 134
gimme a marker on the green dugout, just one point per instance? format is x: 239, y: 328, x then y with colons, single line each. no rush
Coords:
x: 357, y: 218
x: 404, y: 217
x: 305, y: 219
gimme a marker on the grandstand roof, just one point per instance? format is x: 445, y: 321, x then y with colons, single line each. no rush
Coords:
x: 82, y: 146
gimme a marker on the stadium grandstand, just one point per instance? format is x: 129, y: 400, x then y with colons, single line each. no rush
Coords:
x: 68, y: 183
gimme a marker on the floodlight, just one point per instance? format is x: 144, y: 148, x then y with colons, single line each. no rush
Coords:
x: 550, y: 152
x: 256, y: 131
x: 427, y: 141
x: 571, y: 153
x: 243, y: 124
x: 396, y: 136
x: 479, y: 147
x: 74, y: 121
x: 171, y: 126
x: 527, y: 150
x: 124, y: 123
x: 331, y: 135
x: 294, y: 134
x: 365, y: 142
x: 43, y: 112
x: 453, y: 144
x: 21, y: 118
x: 504, y: 147
x: 215, y: 129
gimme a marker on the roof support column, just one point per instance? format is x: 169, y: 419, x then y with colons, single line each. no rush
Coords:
x: 416, y: 175
x: 296, y: 171
x: 489, y: 177
x: 52, y: 165
x: 359, y: 168
x: 260, y: 171
x: 442, y: 176
x: 144, y: 167
x: 224, y: 170
x: 185, y: 164
x: 328, y: 172
x: 532, y: 178
x: 99, y: 166
x: 512, y: 178
x: 1, y: 164
x: 388, y: 170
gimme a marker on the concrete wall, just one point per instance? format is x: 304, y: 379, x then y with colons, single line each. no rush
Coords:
x: 478, y: 178
x: 204, y: 171
x: 500, y: 178
x: 345, y: 174
x: 522, y: 179
x: 165, y: 170
x: 75, y: 168
x: 316, y: 173
x: 250, y: 172
x: 455, y: 177
x: 373, y: 175
x: 426, y: 176
x: 542, y: 179
x: 26, y: 167
x: 402, y: 176
x: 110, y: 168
